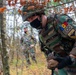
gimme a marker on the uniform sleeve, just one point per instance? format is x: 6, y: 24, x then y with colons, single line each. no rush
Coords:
x: 35, y: 41
x: 21, y: 40
x: 73, y: 52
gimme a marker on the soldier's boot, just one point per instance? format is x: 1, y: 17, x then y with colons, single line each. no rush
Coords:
x: 28, y: 63
x: 34, y: 59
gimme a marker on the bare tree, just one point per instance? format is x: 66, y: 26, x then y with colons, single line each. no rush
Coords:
x: 3, y: 42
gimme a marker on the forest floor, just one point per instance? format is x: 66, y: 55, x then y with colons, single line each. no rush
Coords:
x: 18, y: 67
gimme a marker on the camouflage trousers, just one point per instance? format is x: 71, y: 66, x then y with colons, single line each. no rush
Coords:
x: 29, y: 53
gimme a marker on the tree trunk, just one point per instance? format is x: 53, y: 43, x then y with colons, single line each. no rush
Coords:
x: 3, y: 42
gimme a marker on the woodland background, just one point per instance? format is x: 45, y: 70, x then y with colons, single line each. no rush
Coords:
x: 12, y: 60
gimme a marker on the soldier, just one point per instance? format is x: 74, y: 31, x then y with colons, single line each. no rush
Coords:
x: 33, y: 42
x: 27, y: 42
x: 56, y: 35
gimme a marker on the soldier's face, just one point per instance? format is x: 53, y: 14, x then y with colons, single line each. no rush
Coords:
x: 35, y: 22
x: 25, y: 30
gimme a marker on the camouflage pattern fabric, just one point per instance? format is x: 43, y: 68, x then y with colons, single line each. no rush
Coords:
x: 59, y: 41
x: 28, y: 48
x: 31, y: 8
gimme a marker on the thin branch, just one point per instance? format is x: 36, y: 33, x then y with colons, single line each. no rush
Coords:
x: 61, y: 4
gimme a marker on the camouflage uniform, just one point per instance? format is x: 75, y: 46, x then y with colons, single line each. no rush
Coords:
x: 58, y: 36
x: 54, y: 40
x: 28, y: 48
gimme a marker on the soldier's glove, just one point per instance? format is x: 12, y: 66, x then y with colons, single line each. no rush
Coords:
x: 31, y: 46
x: 51, y: 63
x: 63, y: 62
x: 51, y: 56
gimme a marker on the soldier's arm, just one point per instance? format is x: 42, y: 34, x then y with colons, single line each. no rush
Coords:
x: 35, y: 41
x: 68, y: 60
x: 73, y: 51
x: 21, y: 40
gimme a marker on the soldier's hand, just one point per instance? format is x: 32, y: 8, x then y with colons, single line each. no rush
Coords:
x: 52, y: 63
x: 31, y: 45
x: 22, y: 47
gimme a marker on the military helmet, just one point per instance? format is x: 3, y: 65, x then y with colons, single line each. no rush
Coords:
x: 29, y: 9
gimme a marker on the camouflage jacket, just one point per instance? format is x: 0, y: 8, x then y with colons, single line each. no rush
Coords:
x: 56, y: 36
x: 27, y: 39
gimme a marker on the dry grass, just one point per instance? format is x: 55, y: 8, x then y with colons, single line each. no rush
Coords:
x: 34, y: 69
